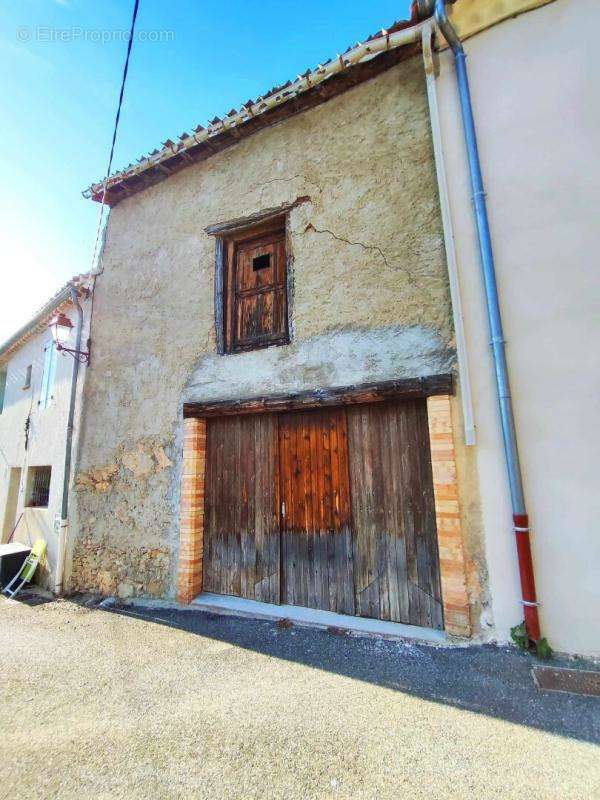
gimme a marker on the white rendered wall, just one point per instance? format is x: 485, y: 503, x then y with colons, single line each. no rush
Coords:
x: 46, y: 439
x: 534, y: 81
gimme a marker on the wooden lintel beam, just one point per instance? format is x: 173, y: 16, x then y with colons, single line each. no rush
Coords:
x: 403, y: 389
x: 265, y: 215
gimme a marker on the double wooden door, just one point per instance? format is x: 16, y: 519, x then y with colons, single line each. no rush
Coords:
x: 328, y: 508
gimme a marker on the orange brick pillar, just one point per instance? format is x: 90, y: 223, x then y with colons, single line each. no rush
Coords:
x: 191, y: 517
x: 447, y: 511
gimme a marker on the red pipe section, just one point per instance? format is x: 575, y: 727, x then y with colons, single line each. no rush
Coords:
x: 530, y: 605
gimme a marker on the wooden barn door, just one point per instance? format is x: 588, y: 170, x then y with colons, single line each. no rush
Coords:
x: 316, y: 538
x: 241, y: 539
x: 328, y: 508
x: 396, y: 562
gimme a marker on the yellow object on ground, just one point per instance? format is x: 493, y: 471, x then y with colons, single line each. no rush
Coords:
x: 27, y: 571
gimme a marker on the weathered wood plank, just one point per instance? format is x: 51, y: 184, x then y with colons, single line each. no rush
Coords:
x: 229, y: 293
x: 418, y: 517
x: 242, y: 514
x: 247, y: 529
x: 365, y: 533
x: 396, y: 565
x: 407, y: 460
x: 403, y: 389
x: 232, y: 478
x: 266, y: 510
x: 287, y: 571
x: 383, y: 501
x: 397, y: 572
x: 316, y: 543
x: 220, y: 294
x: 342, y: 538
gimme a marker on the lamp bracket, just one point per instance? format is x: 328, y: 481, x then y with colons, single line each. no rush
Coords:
x: 82, y: 356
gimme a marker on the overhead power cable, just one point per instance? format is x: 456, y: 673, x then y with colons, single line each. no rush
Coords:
x: 115, y: 129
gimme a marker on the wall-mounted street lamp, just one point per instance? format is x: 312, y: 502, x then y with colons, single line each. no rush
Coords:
x: 61, y: 327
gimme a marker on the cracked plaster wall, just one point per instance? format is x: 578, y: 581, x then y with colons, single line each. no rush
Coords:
x: 369, y: 302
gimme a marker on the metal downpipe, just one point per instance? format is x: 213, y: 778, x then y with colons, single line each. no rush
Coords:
x: 520, y: 518
x: 64, y: 513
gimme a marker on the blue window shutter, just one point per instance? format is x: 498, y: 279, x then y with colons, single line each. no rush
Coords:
x: 52, y: 375
x: 2, y: 390
x: 48, y: 374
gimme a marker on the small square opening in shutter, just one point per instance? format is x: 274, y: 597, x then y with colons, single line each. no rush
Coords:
x: 261, y: 262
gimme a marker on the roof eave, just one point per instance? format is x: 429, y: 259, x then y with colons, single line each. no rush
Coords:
x: 358, y: 64
x: 36, y: 323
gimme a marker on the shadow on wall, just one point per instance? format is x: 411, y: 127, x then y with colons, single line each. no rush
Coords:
x: 489, y: 680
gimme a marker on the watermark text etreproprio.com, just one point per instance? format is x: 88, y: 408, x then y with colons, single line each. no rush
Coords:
x: 45, y: 33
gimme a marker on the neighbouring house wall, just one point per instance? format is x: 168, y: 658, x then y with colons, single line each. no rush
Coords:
x: 46, y: 446
x: 472, y: 16
x: 369, y: 302
x: 534, y: 81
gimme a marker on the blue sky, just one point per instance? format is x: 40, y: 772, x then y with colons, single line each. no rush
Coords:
x: 60, y: 90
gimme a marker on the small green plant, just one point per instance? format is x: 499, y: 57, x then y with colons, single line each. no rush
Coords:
x: 543, y: 649
x: 519, y: 636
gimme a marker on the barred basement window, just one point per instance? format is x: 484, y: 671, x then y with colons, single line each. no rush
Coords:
x: 252, y: 305
x: 38, y: 493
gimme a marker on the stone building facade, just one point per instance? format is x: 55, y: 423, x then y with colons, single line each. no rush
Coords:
x: 368, y: 302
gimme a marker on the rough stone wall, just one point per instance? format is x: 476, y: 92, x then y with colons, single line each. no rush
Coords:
x: 370, y: 302
x: 116, y: 559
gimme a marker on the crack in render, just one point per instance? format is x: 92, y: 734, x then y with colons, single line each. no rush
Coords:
x: 311, y: 227
x: 262, y: 186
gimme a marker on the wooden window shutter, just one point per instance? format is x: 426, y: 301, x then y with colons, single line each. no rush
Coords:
x: 256, y: 313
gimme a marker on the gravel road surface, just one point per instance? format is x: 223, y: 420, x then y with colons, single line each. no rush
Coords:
x: 146, y: 703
